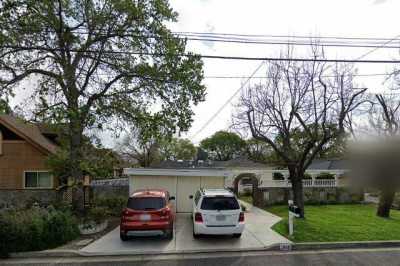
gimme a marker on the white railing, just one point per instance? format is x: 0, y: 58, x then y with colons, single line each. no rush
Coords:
x: 306, y: 183
x: 324, y: 183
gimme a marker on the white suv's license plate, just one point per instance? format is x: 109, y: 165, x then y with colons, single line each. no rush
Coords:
x: 220, y: 217
x: 145, y: 217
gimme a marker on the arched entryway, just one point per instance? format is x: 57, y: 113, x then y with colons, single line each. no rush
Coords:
x: 252, y: 179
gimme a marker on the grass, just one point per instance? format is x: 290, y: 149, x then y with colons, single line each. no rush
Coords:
x: 330, y: 223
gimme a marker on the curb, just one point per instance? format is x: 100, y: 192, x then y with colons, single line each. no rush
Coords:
x: 46, y: 253
x: 346, y: 245
x: 313, y: 246
x: 77, y: 253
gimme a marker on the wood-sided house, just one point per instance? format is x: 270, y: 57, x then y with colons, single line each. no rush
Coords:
x: 24, y: 148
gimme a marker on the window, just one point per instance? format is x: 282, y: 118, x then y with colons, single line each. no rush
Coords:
x: 38, y: 179
x: 220, y: 203
x: 143, y: 204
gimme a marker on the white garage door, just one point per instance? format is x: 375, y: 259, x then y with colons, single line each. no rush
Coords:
x: 181, y: 187
x: 187, y: 185
x: 212, y: 182
x: 153, y: 182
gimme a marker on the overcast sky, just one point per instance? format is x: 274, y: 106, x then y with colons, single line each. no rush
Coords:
x: 346, y: 18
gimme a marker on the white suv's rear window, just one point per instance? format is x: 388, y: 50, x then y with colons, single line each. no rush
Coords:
x: 219, y: 203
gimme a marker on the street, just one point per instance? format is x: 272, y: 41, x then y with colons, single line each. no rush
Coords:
x: 334, y: 257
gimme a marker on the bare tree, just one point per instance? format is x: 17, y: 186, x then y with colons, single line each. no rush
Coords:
x: 311, y: 97
x: 136, y: 147
x: 384, y: 115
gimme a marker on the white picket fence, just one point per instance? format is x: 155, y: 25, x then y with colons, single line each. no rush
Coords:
x: 306, y: 183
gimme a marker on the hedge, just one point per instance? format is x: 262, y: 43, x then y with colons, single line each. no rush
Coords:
x: 114, y: 205
x: 307, y: 176
x: 325, y: 175
x: 35, y: 229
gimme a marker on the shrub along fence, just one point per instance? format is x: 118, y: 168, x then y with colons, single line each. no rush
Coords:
x: 112, y: 204
x: 312, y: 195
x: 35, y: 229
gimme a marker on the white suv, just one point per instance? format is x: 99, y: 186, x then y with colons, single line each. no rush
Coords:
x: 217, y: 212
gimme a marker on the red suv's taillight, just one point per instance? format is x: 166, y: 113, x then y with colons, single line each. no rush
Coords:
x: 198, y: 218
x: 165, y: 214
x: 126, y: 215
x: 241, y: 217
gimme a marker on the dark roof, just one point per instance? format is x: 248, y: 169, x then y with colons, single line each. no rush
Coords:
x: 237, y: 162
x: 169, y: 164
x: 28, y: 131
x: 333, y: 164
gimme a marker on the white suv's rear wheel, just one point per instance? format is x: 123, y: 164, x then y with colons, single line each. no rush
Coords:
x: 194, y: 234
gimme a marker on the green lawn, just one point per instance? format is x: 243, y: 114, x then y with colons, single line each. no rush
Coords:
x: 329, y: 223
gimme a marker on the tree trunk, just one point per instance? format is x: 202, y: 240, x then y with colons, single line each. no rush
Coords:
x: 297, y: 188
x: 76, y: 132
x: 385, y: 202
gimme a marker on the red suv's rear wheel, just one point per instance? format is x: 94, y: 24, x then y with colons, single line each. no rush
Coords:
x: 123, y: 236
x: 169, y: 233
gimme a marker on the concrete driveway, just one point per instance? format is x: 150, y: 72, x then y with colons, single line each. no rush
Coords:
x: 257, y: 235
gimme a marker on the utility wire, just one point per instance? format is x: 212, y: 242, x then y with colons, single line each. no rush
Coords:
x: 280, y: 36
x: 241, y: 87
x: 28, y: 28
x: 228, y: 101
x: 232, y: 38
x: 292, y: 43
x: 376, y: 48
x: 222, y: 57
x: 268, y: 77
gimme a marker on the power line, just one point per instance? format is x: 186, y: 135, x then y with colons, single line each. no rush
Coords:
x: 292, y: 59
x: 222, y: 57
x: 227, y: 102
x: 268, y: 77
x: 294, y: 43
x: 241, y: 87
x: 376, y: 48
x: 231, y: 38
x: 144, y: 34
x: 281, y: 36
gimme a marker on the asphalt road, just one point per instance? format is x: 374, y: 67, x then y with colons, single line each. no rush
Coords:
x: 339, y: 257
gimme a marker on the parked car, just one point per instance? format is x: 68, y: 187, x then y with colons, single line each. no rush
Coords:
x: 217, y: 212
x: 148, y: 211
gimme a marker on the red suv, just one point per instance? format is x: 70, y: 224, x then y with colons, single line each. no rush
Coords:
x: 148, y: 210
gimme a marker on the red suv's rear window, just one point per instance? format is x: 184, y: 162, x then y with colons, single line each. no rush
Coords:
x: 143, y: 204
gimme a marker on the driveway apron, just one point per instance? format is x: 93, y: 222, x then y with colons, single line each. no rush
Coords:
x: 257, y: 235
